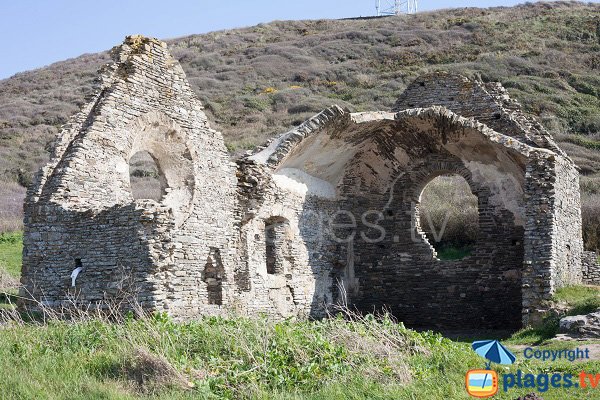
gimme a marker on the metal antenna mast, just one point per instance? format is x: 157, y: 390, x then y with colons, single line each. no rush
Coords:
x: 396, y: 7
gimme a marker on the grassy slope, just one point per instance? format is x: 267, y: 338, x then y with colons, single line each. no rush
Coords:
x: 239, y: 358
x: 259, y: 81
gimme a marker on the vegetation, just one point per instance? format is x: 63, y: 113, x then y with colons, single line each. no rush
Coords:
x: 11, y: 247
x: 454, y: 253
x: 346, y: 357
x: 449, y: 216
x: 237, y: 358
x: 11, y: 205
x: 575, y: 300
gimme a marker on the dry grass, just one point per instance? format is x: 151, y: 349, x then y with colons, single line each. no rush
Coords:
x: 11, y: 206
x: 590, y: 215
x: 152, y: 373
x: 8, y: 282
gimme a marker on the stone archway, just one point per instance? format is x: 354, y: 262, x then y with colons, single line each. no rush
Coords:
x: 448, y: 215
x: 402, y: 273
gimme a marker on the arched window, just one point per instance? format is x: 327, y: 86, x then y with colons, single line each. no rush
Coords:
x: 146, y: 177
x: 449, y: 216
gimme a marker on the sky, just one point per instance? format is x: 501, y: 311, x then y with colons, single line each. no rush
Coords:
x: 38, y: 33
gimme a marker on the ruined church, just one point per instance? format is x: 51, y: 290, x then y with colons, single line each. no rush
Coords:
x: 325, y: 214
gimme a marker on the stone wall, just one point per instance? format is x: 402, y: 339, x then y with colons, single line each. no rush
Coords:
x: 323, y: 215
x: 590, y: 267
x: 81, y: 209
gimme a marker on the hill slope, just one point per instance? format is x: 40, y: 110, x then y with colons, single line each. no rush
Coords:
x: 259, y: 81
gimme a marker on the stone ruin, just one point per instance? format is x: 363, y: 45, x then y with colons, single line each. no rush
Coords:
x: 323, y: 215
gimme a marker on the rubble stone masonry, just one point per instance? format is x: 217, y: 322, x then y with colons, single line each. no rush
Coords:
x: 323, y: 215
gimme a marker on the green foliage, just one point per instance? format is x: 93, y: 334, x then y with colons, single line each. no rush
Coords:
x: 259, y: 103
x: 213, y: 357
x: 453, y: 253
x: 580, y: 299
x: 577, y: 300
x: 11, y: 248
x: 238, y: 358
x: 583, y: 141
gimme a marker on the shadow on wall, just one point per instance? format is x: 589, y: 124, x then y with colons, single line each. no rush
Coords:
x: 370, y: 254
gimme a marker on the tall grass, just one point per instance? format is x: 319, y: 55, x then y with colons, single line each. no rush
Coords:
x: 11, y: 247
x: 237, y: 358
x: 152, y: 356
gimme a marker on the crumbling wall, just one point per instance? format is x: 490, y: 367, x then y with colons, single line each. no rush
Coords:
x: 325, y: 214
x: 553, y: 239
x: 488, y: 103
x: 285, y: 224
x: 567, y: 235
x: 81, y: 209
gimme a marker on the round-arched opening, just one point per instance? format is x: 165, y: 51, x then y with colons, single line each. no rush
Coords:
x: 449, y: 216
x: 146, y: 177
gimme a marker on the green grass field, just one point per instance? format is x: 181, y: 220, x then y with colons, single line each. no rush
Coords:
x: 11, y: 247
x: 238, y: 358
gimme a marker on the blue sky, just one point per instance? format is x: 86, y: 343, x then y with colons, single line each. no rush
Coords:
x: 38, y: 33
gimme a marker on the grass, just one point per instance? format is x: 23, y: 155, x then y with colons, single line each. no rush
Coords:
x: 583, y: 141
x: 221, y: 358
x: 453, y: 253
x: 577, y: 300
x: 11, y: 247
x: 580, y: 299
x: 239, y: 358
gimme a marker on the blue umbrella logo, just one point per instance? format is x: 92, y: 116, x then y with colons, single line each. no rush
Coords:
x: 494, y: 352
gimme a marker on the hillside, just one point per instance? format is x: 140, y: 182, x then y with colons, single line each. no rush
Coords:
x: 259, y: 81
